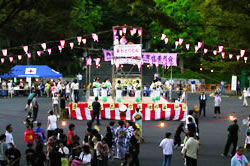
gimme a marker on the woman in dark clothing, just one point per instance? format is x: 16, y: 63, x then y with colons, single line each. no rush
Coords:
x: 39, y: 156
x: 177, y: 137
x: 55, y: 157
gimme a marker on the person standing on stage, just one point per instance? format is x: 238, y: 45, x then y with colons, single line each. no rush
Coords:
x: 232, y: 138
x: 75, y: 91
x: 153, y: 90
x: 96, y: 110
x: 118, y: 88
x: 96, y: 88
x: 203, y: 100
x: 104, y: 91
x: 137, y: 91
x: 109, y: 86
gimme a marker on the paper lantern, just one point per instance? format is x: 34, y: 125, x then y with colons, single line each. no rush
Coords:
x: 176, y: 44
x: 114, y: 32
x: 4, y: 51
x: 215, y: 52
x: 156, y: 64
x: 139, y: 66
x: 245, y: 59
x: 166, y: 40
x: 181, y: 41
x: 29, y: 55
x: 71, y: 44
x: 62, y: 43
x: 124, y: 30
x: 132, y: 32
x: 38, y: 53
x: 163, y: 36
x: 11, y: 59
x: 49, y: 51
x: 60, y: 49
x: 84, y: 41
x: 117, y: 65
x: 79, y: 39
x: 2, y: 60
x: 221, y: 48
x: 242, y: 53
x: 238, y: 57
x: 120, y: 32
x: 196, y: 48
x: 97, y: 62
x: 230, y: 56
x: 139, y: 32
x: 187, y: 46
x: 25, y: 49
x: 205, y: 50
x: 19, y: 57
x: 223, y: 55
x: 43, y: 46
x: 199, y: 45
x: 88, y: 61
x: 95, y: 37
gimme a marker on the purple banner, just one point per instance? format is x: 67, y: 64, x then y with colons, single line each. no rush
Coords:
x: 165, y: 59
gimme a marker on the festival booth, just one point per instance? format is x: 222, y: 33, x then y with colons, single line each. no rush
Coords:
x: 120, y: 106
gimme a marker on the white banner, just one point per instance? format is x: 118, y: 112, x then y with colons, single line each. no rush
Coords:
x: 127, y: 61
x: 127, y: 50
x: 234, y: 83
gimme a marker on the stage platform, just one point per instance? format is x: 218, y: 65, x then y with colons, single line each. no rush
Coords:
x: 160, y: 110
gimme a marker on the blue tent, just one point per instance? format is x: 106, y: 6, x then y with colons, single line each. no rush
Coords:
x: 33, y: 71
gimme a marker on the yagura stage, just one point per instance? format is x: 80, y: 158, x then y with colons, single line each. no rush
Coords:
x: 160, y: 110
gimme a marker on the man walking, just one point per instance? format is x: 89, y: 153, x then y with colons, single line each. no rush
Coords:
x: 191, y: 149
x: 232, y: 138
x: 203, y: 100
x: 96, y: 110
x: 35, y: 107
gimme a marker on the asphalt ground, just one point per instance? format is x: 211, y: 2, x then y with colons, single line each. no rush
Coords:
x: 213, y: 132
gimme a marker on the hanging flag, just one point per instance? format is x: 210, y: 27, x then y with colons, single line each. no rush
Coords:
x: 163, y: 36
x: 19, y: 57
x: 2, y: 60
x: 38, y: 53
x: 205, y: 50
x: 29, y: 55
x: 196, y: 48
x: 176, y: 44
x: 221, y: 48
x: 245, y: 59
x: 60, y: 49
x: 62, y: 43
x: 26, y: 49
x: 124, y: 30
x: 43, y: 46
x: 49, y: 51
x: 4, y: 51
x: 187, y: 46
x: 238, y: 57
x: 199, y: 45
x: 139, y: 32
x: 215, y: 52
x: 114, y: 32
x: 71, y: 44
x: 181, y: 41
x: 120, y: 32
x: 242, y: 53
x: 11, y: 59
x: 223, y: 55
x: 230, y: 56
x: 84, y: 41
x: 97, y: 62
x: 79, y: 39
x: 166, y: 40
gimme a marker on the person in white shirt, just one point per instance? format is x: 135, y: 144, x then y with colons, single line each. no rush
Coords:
x: 9, y: 136
x: 10, y: 88
x: 153, y: 88
x: 63, y: 150
x: 55, y: 103
x: 244, y: 96
x: 52, y: 123
x: 67, y: 90
x: 217, y: 102
x: 167, y: 145
x: 85, y: 156
x: 190, y: 115
x: 75, y: 90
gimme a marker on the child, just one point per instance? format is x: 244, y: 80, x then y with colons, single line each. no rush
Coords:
x: 29, y: 120
x: 247, y: 141
x: 29, y: 154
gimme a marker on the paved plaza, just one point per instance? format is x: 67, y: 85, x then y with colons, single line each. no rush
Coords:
x: 213, y: 132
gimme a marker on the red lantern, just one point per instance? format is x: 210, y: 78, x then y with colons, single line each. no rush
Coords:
x: 139, y: 32
x: 71, y: 44
x: 242, y: 53
x: 19, y: 57
x: 38, y: 53
x: 114, y: 32
x: 26, y: 49
x: 60, y: 49
x: 163, y: 36
x: 2, y: 60
x: 120, y: 32
x: 196, y: 48
x: 181, y: 41
x: 220, y: 49
x: 49, y: 51
x: 62, y: 42
x: 238, y: 57
x: 245, y: 59
x: 205, y: 50
x: 11, y: 59
x: 4, y: 51
x: 79, y: 39
x: 166, y: 40
x: 199, y: 45
x: 223, y: 55
x: 230, y: 56
x: 215, y: 52
x: 29, y: 55
x: 43, y: 46
x: 124, y: 30
x: 187, y: 46
x: 84, y: 41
